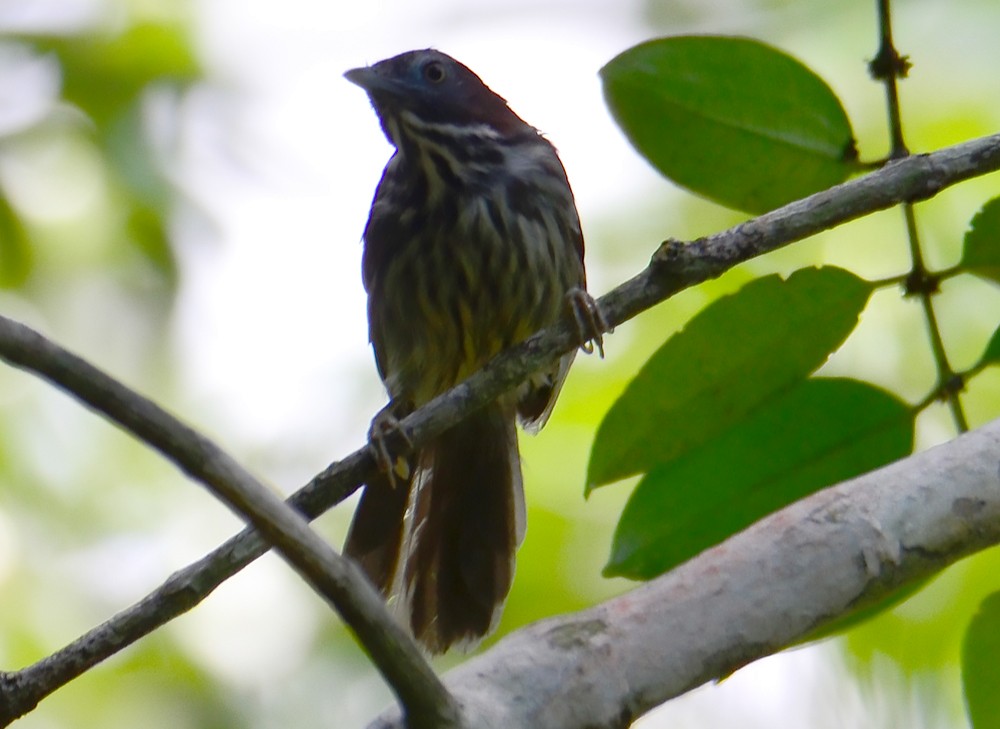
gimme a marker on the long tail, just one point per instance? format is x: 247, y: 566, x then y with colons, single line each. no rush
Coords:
x: 451, y: 558
x: 468, y: 521
x: 375, y: 539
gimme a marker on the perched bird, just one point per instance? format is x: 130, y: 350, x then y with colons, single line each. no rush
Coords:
x: 473, y: 243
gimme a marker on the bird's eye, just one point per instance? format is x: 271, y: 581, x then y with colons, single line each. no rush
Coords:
x: 434, y: 72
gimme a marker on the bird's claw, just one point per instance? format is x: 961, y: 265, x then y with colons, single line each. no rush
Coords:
x: 590, y: 321
x: 385, y: 426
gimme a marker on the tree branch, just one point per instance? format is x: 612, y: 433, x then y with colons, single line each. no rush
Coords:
x: 674, y: 267
x: 333, y: 577
x: 824, y: 557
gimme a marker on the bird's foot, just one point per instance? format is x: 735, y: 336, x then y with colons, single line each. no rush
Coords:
x: 590, y: 321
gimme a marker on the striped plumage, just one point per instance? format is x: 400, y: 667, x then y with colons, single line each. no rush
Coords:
x: 473, y: 243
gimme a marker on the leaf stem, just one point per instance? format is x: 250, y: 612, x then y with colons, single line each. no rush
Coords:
x: 887, y: 66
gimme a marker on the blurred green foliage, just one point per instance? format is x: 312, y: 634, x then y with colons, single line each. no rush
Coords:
x: 85, y: 206
x: 980, y: 668
x: 103, y: 221
x: 15, y: 247
x: 108, y: 76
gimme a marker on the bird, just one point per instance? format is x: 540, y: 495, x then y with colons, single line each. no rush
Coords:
x: 472, y: 244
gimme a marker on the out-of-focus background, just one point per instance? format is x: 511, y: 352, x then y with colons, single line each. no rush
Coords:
x: 197, y: 235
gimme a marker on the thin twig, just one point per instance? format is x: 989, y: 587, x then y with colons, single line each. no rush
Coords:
x: 887, y: 66
x: 675, y: 266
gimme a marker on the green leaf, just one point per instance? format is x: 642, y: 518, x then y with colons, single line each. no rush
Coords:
x: 992, y: 353
x: 981, y: 252
x: 16, y: 256
x: 981, y: 665
x: 736, y: 354
x: 819, y: 432
x: 732, y: 119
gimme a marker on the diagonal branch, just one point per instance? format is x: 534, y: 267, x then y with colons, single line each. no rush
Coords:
x: 335, y: 578
x: 674, y: 267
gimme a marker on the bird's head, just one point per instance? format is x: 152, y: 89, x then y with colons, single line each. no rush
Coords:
x: 433, y: 89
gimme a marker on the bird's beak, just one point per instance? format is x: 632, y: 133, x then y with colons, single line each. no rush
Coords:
x: 368, y: 78
x: 363, y: 76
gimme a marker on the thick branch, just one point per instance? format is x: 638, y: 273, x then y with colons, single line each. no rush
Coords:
x: 332, y: 576
x: 674, y: 267
x: 799, y: 569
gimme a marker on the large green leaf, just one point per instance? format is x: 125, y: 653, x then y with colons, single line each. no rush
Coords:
x: 819, y: 432
x: 732, y: 119
x: 981, y: 665
x: 736, y: 354
x: 981, y: 251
